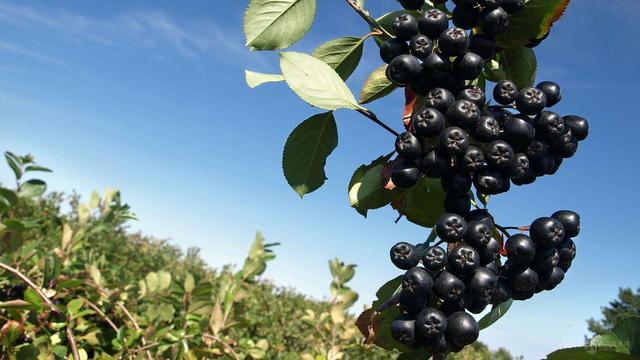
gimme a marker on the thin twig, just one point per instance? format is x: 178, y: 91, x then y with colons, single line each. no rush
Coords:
x: 503, y: 230
x: 136, y: 326
x: 49, y: 303
x: 217, y: 339
x: 371, y: 116
x: 143, y: 348
x: 104, y: 316
x: 371, y: 21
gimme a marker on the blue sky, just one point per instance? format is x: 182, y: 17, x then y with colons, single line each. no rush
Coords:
x: 149, y: 97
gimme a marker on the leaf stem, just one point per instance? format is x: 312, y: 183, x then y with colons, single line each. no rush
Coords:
x: 369, y: 114
x: 371, y: 21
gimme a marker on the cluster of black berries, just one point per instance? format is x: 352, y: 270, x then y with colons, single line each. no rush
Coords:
x: 464, y: 143
x: 436, y: 296
x: 420, y: 55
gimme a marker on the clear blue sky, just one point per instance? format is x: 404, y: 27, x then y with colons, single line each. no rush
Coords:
x: 149, y: 97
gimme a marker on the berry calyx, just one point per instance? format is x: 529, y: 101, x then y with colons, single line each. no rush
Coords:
x: 463, y: 260
x: 547, y: 232
x: 405, y: 27
x: 417, y: 281
x: 453, y: 42
x: 439, y: 99
x: 451, y: 228
x: 473, y: 159
x: 428, y: 122
x: 433, y: 23
x: 474, y: 94
x: 505, y: 92
x: 479, y: 234
x: 463, y: 113
x: 431, y: 323
x: 421, y: 46
x: 434, y: 258
x: 499, y: 154
x: 531, y: 101
x: 448, y: 287
x: 408, y: 146
x: 453, y: 140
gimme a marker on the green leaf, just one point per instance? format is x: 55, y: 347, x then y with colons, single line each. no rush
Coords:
x: 518, y: 64
x: 316, y: 82
x: 27, y: 352
x: 422, y: 204
x: 33, y: 298
x: 581, y: 353
x: 37, y: 168
x: 306, y: 152
x: 164, y: 280
x: 277, y: 24
x: 366, y: 189
x: 342, y: 54
x: 32, y: 188
x: 383, y: 336
x: 8, y: 199
x: 532, y: 23
x: 74, y: 306
x: 255, y: 79
x: 386, y: 291
x: 152, y: 281
x: 495, y: 314
x: 376, y: 86
x: 189, y: 283
x: 14, y: 163
x: 625, y: 337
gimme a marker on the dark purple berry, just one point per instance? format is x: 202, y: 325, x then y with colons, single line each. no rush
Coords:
x: 488, y: 182
x: 451, y: 227
x: 537, y: 149
x: 404, y: 255
x: 566, y: 251
x: 465, y: 17
x: 551, y: 91
x: 520, y: 249
x: 531, y: 101
x: 474, y: 94
x: 405, y: 174
x: 434, y: 164
x: 512, y: 6
x: 550, y: 279
x: 545, y: 259
x: 499, y: 154
x: 463, y: 113
x: 494, y: 21
x: 417, y: 281
x: 411, y: 304
x: 456, y: 183
x: 428, y: 122
x: 462, y: 329
x: 479, y: 234
x: 524, y: 281
x: 473, y: 159
x: 448, y: 287
x: 432, y: 23
x: 405, y: 26
x: 468, y: 66
x: 453, y: 140
x: 463, y: 260
x: 439, y: 99
x: 483, y: 45
x: 547, y: 232
x: 460, y: 205
x: 487, y: 129
x: 578, y: 125
x: 549, y: 125
x: 434, y: 259
x: 392, y: 48
x: 408, y: 146
x: 403, y: 330
x: 501, y: 293
x: 482, y: 283
x: 490, y: 253
x: 436, y: 67
x: 421, y: 46
x: 519, y: 132
x: 570, y: 221
x: 453, y: 42
x: 431, y: 323
x: 403, y: 69
x: 505, y: 92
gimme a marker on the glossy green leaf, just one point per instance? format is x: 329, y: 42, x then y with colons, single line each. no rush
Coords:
x: 32, y: 188
x: 277, y: 24
x: 518, y: 64
x: 306, y: 152
x: 14, y: 163
x: 531, y: 23
x: 37, y: 168
x: 376, y: 86
x: 625, y: 337
x: 255, y: 79
x: 316, y: 82
x: 495, y: 314
x: 386, y: 291
x: 342, y: 54
x: 422, y: 204
x: 366, y: 189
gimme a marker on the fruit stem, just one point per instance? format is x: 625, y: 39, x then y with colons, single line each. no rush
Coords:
x: 365, y: 16
x: 369, y: 114
x: 503, y: 230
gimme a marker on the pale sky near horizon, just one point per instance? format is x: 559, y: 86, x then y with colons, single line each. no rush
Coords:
x: 149, y: 97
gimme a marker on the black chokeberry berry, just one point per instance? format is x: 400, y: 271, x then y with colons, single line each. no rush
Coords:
x: 417, y: 281
x: 411, y: 304
x: 439, y: 99
x: 520, y: 249
x: 434, y: 259
x: 566, y: 251
x: 411, y: 4
x: 436, y: 67
x: 545, y: 259
x: 460, y: 205
x: 518, y: 132
x: 463, y: 260
x: 403, y: 330
x: 512, y: 6
x: 569, y: 149
x: 578, y: 125
x: 462, y: 329
x: 431, y: 323
x: 505, y: 92
x: 501, y: 293
x: 474, y: 94
x: 434, y: 164
x: 479, y: 234
x: 565, y: 266
x: 392, y: 48
x: 480, y: 215
x: 465, y: 17
x: 403, y: 69
x: 453, y: 140
x: 483, y: 45
x: 463, y: 113
x: 552, y: 91
x: 558, y: 143
x: 523, y: 295
x: 493, y: 267
x: 421, y: 46
x: 432, y: 23
x: 405, y: 26
x: 487, y: 129
x: 405, y: 174
x: 499, y: 154
x: 543, y: 166
x: 524, y: 281
x: 550, y: 279
x: 482, y: 283
x: 570, y: 221
x: 537, y: 149
x: 549, y: 125
x: 478, y: 305
x: 490, y: 4
x: 547, y: 232
x: 428, y: 122
x: 490, y: 253
x: 456, y: 183
x: 488, y: 182
x: 404, y: 255
x: 465, y: 3
x: 448, y: 287
x: 451, y: 227
x: 531, y: 101
x: 494, y: 21
x: 520, y: 166
x: 408, y: 146
x: 453, y: 42
x: 468, y: 66
x: 473, y: 159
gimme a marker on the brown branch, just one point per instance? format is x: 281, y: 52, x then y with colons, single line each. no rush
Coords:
x: 136, y: 326
x: 72, y: 340
x: 104, y: 316
x: 371, y: 21
x: 227, y: 347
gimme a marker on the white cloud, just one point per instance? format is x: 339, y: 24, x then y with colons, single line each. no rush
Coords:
x: 22, y: 51
x: 152, y: 29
